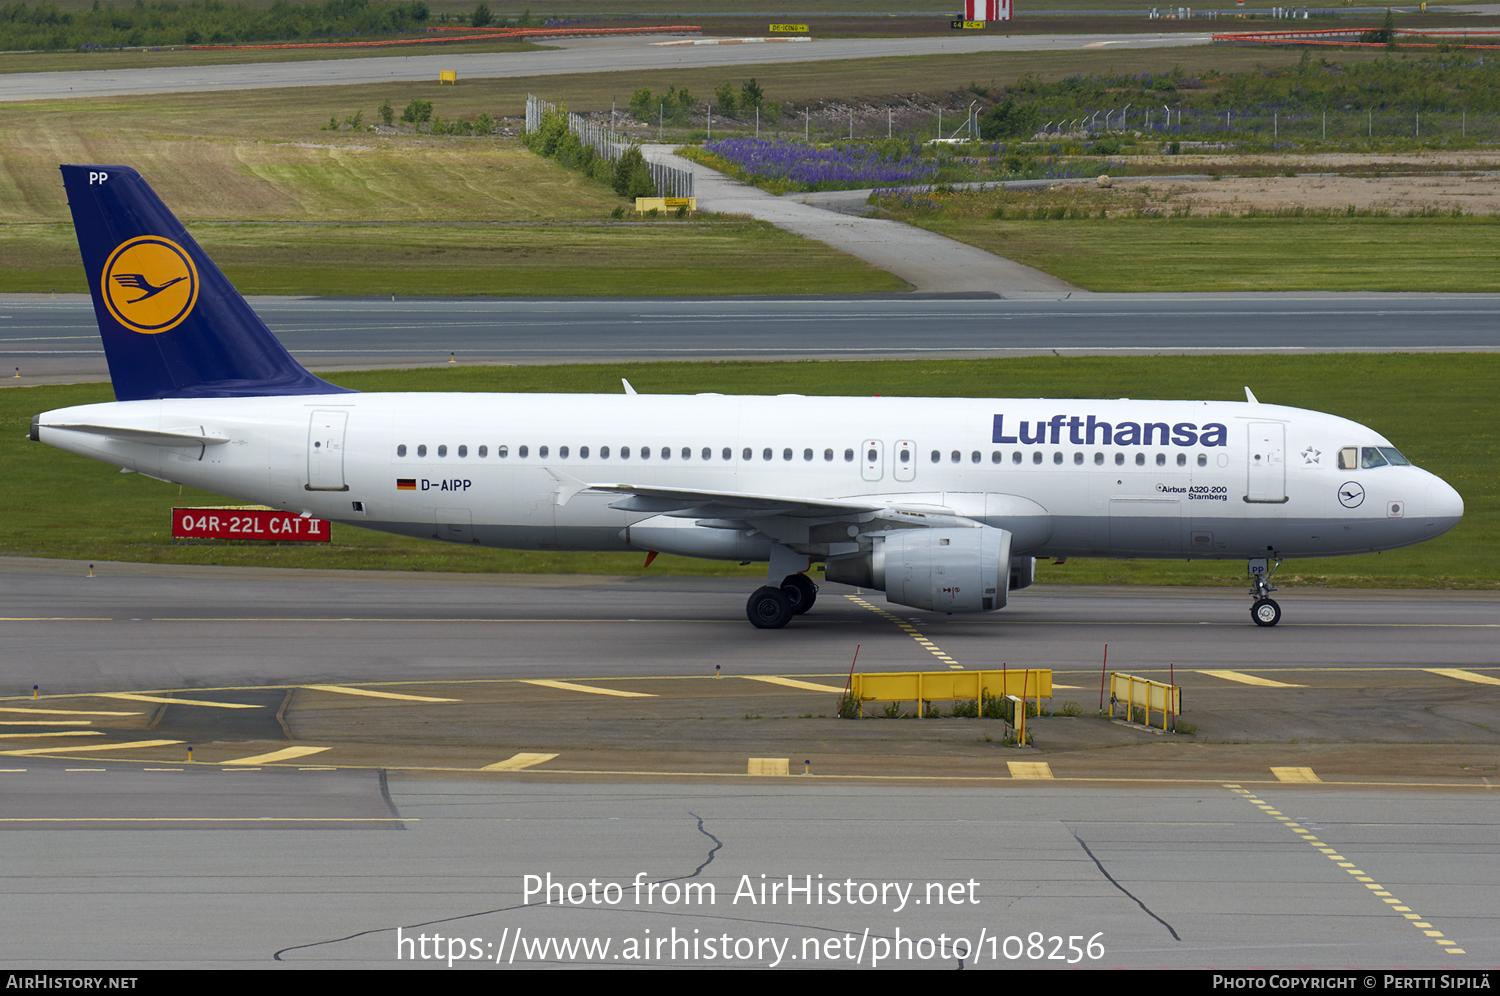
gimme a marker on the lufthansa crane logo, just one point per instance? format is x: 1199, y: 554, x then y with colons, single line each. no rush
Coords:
x: 150, y: 284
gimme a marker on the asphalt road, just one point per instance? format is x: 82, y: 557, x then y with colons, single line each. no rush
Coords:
x: 143, y: 626
x: 1201, y: 877
x: 57, y: 338
x: 133, y: 858
x: 621, y: 54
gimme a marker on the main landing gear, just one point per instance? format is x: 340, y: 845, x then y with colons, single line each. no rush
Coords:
x: 772, y: 608
x: 1264, y: 609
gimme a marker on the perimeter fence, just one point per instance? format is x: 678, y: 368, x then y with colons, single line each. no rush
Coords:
x: 611, y: 145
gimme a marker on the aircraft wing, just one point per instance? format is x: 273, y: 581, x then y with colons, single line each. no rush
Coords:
x: 706, y: 504
x: 710, y: 504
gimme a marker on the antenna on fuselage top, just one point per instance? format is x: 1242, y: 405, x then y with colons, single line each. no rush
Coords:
x: 1250, y: 397
x: 631, y: 390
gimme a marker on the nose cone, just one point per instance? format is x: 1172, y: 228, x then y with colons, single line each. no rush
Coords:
x: 1444, y: 508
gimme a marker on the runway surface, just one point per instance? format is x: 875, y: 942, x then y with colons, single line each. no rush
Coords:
x: 1031, y: 877
x: 620, y: 54
x: 235, y: 860
x: 57, y: 338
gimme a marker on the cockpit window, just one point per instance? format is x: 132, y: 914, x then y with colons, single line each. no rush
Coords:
x: 1369, y: 457
x: 1394, y: 456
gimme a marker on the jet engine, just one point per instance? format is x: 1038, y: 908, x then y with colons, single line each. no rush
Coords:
x: 957, y: 569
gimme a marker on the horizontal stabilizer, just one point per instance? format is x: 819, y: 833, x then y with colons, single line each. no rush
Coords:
x: 146, y: 436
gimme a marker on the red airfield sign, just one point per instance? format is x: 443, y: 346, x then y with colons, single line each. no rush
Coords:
x: 247, y: 523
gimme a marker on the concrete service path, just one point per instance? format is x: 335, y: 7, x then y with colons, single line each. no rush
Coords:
x: 931, y: 263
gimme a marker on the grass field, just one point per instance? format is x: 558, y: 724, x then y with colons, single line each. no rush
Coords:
x: 1441, y: 410
x: 1235, y: 254
x: 627, y: 259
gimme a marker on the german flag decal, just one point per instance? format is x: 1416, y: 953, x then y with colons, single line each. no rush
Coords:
x: 406, y: 484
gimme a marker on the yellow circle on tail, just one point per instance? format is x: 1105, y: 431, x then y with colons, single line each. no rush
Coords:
x: 150, y: 284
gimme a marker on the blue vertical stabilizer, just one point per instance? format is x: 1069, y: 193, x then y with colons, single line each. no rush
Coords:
x: 173, y: 325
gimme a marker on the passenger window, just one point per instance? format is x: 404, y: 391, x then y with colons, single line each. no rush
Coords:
x: 443, y: 450
x: 583, y: 452
x: 1370, y: 457
x: 1161, y: 459
x: 645, y: 453
x: 562, y: 452
x: 1015, y: 457
x: 746, y: 454
x: 1182, y: 459
x: 1057, y: 458
x: 1348, y: 458
x: 1140, y: 459
x: 936, y: 457
x: 786, y: 454
x: 666, y: 452
x: 401, y: 450
x: 906, y: 456
x: 728, y: 453
x: 541, y: 451
x: 624, y: 452
x: 1203, y: 459
x: 1119, y: 459
x: 502, y: 451
x: 995, y: 457
x: 484, y: 451
x: 849, y: 456
x: 956, y: 456
x: 1078, y: 459
x: 765, y: 454
x: 521, y: 451
x: 604, y: 453
x: 828, y: 455
x: 807, y: 454
x: 974, y: 457
x: 1036, y: 457
x: 687, y: 453
x: 708, y: 454
x: 463, y: 451
x: 422, y: 450
x: 1098, y: 459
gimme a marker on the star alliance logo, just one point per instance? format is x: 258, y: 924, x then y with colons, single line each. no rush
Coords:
x: 1310, y: 455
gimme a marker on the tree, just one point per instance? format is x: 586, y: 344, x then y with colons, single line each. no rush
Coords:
x: 642, y: 107
x: 724, y: 99
x: 1008, y: 120
x: 751, y: 95
x: 627, y: 171
x: 480, y: 17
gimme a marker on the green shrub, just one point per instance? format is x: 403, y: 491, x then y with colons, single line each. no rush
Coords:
x: 1008, y: 119
x: 417, y: 112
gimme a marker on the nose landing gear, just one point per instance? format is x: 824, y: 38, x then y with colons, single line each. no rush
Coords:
x: 1263, y: 609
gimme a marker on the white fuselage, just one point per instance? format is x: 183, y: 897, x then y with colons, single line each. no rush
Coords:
x: 1067, y: 478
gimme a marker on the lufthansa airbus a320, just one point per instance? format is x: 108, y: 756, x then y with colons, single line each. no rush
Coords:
x: 942, y: 503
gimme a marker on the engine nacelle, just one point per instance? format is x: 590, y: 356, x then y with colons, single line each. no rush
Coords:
x: 945, y: 569
x: 686, y: 538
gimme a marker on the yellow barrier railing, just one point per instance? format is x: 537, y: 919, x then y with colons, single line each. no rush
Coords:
x: 931, y: 686
x: 1150, y: 696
